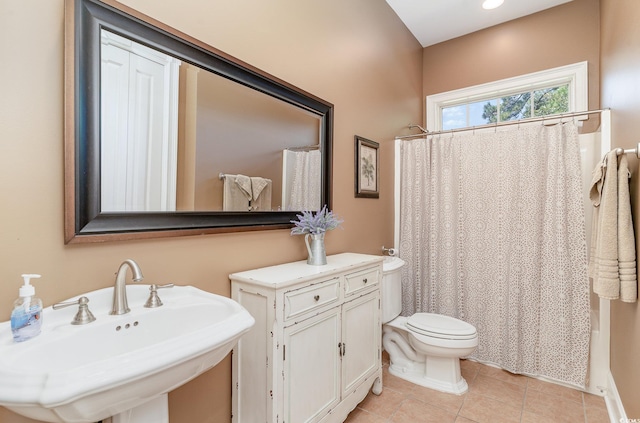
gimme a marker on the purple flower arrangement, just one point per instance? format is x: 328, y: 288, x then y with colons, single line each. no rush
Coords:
x: 318, y: 223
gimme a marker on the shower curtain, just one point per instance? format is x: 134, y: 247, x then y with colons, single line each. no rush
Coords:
x: 493, y: 233
x: 303, y: 190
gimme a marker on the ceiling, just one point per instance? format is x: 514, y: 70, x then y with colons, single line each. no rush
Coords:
x: 434, y: 21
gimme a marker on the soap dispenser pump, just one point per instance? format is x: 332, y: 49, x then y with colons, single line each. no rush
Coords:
x: 26, y: 317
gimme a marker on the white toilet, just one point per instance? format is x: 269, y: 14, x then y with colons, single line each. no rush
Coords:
x: 425, y: 348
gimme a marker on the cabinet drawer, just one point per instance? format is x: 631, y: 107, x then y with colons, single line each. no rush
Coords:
x: 361, y: 281
x: 302, y: 300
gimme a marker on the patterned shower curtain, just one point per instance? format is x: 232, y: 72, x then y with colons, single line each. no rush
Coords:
x: 493, y: 233
x: 305, y: 180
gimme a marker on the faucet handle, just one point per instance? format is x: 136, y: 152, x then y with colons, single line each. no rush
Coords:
x: 83, y: 316
x: 154, y: 301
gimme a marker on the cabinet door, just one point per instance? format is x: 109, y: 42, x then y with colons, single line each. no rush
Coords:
x: 361, y: 339
x: 311, y: 366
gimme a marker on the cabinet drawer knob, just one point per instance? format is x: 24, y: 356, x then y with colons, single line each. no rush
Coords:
x: 364, y: 280
x: 316, y: 297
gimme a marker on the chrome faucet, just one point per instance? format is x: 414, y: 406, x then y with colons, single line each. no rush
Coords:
x: 120, y: 305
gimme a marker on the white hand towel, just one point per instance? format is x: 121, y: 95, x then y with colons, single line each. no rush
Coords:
x: 257, y: 185
x: 244, y: 184
x: 626, y: 239
x: 612, y: 262
x: 233, y: 198
x: 604, y: 245
x: 261, y: 189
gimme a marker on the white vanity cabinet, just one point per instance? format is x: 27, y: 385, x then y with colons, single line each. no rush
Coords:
x: 315, y: 350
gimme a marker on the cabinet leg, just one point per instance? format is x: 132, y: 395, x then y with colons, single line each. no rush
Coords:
x: 377, y: 386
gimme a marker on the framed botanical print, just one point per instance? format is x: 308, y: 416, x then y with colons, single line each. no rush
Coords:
x: 367, y: 168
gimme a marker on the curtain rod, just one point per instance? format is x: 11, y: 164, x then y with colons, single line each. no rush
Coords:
x: 304, y: 148
x: 499, y: 124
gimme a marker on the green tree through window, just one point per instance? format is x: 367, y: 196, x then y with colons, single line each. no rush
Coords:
x: 542, y: 102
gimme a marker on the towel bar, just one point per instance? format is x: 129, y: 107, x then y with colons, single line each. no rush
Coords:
x: 636, y: 151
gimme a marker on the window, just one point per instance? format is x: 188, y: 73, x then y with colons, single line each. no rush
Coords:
x: 554, y: 91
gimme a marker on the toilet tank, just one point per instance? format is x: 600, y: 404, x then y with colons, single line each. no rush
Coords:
x: 391, y: 288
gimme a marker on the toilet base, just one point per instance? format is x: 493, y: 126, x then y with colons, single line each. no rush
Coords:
x: 439, y: 373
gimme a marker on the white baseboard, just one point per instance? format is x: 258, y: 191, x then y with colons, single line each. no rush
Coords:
x: 614, y: 403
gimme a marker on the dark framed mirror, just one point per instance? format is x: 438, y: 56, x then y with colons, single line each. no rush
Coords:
x: 164, y: 134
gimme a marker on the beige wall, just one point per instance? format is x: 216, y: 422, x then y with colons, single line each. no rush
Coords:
x: 620, y: 91
x: 355, y: 54
x: 555, y: 37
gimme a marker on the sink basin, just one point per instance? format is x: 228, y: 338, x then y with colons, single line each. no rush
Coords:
x: 90, y: 372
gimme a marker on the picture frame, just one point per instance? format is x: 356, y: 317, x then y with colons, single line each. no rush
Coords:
x: 367, y: 168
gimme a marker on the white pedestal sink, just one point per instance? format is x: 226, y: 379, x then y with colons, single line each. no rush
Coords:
x: 91, y: 372
x: 156, y: 411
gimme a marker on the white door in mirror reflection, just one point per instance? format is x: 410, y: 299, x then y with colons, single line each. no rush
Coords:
x: 139, y: 135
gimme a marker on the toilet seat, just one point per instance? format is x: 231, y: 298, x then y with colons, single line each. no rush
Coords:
x: 440, y: 326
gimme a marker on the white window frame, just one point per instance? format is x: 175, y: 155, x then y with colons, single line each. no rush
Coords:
x: 576, y: 75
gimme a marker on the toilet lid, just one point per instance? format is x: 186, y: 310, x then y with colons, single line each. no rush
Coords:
x: 440, y: 326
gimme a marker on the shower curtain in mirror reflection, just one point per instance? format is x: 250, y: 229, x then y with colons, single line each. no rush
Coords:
x: 493, y: 231
x: 301, y: 180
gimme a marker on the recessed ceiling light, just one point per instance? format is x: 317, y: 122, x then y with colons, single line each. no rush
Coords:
x: 491, y: 4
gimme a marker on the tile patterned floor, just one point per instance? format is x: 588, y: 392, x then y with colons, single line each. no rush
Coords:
x: 494, y: 396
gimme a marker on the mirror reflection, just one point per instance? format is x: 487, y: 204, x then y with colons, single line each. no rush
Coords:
x: 168, y: 136
x: 176, y: 137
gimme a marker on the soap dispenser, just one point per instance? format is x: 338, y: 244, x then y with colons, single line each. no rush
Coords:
x: 26, y: 317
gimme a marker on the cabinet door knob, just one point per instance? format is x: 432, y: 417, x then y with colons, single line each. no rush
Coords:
x: 364, y: 280
x: 316, y: 297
